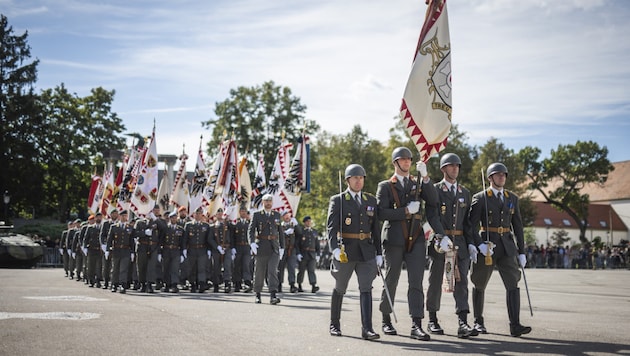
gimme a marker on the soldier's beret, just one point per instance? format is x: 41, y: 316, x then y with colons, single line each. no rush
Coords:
x: 98, y: 214
x: 91, y: 217
x: 306, y: 218
x: 77, y: 221
x: 199, y: 210
x: 267, y: 197
x: 124, y: 212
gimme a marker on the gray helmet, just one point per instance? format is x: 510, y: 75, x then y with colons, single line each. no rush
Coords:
x: 496, y: 168
x: 450, y: 158
x: 354, y: 170
x: 400, y: 152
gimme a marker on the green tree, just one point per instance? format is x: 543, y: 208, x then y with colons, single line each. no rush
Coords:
x: 561, y: 177
x: 259, y: 117
x: 560, y: 237
x: 76, y: 131
x: 21, y: 174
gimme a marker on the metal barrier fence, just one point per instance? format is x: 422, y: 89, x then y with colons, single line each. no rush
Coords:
x: 51, y: 258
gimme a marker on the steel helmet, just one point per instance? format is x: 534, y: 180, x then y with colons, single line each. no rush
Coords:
x: 354, y: 170
x: 400, y: 152
x: 496, y: 168
x: 450, y: 158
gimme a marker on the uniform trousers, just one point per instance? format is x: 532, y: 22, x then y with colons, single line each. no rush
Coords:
x: 307, y: 264
x: 289, y: 263
x: 121, y: 260
x: 94, y: 261
x: 197, y: 260
x: 221, y: 262
x: 266, y: 266
x: 242, y: 264
x: 436, y: 278
x: 147, y: 263
x: 342, y: 272
x: 170, y: 263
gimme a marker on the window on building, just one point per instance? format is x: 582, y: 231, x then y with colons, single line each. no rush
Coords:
x: 603, y: 223
x: 566, y: 222
x: 547, y: 221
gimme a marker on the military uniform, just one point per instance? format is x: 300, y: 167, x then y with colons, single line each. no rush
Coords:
x: 106, y: 272
x: 77, y: 252
x: 356, y: 228
x: 120, y: 245
x: 63, y: 245
x: 289, y: 260
x: 243, y: 260
x: 453, y: 213
x: 197, y: 240
x: 170, y: 250
x: 222, y: 262
x: 148, y: 232
x: 92, y: 244
x: 265, y: 230
x: 308, y: 248
x: 184, y: 266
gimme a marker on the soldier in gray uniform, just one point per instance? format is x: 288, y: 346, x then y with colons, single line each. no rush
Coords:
x: 120, y: 245
x: 451, y: 234
x: 92, y: 244
x: 289, y: 262
x: 198, y: 241
x: 72, y: 232
x: 308, y: 254
x: 170, y: 253
x: 222, y: 256
x: 64, y: 247
x: 77, y: 249
x: 243, y: 259
x: 184, y: 267
x: 149, y: 232
x: 107, y: 261
x: 355, y: 238
x: 267, y: 244
x: 399, y: 206
x: 496, y: 213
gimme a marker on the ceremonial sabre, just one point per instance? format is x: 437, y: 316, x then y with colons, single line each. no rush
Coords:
x: 488, y: 257
x: 389, y: 297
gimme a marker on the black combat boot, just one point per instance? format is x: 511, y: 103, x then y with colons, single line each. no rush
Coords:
x: 434, y: 327
x: 464, y: 330
x: 106, y: 285
x: 143, y: 287
x: 227, y: 287
x: 193, y: 287
x: 416, y: 330
x: 274, y: 300
x: 150, y: 287
x: 514, y: 307
x: 300, y: 288
x: 237, y: 287
x: 388, y: 328
x: 477, y: 301
x: 249, y: 286
x: 335, y: 313
x: 257, y: 300
x: 293, y: 288
x: 367, y: 333
x: 314, y: 288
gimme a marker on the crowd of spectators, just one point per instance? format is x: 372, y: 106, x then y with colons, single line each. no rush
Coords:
x: 580, y: 257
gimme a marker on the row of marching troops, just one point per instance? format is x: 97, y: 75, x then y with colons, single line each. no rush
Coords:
x: 171, y: 251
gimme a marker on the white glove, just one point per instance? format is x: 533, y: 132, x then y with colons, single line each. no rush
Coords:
x: 69, y: 251
x: 336, y: 254
x: 254, y: 247
x: 233, y: 257
x: 317, y: 259
x: 522, y: 260
x: 446, y: 244
x: 106, y: 254
x: 379, y: 261
x: 152, y: 216
x: 233, y: 252
x: 61, y: 251
x: 281, y: 252
x: 221, y: 250
x: 421, y: 167
x: 413, y: 207
x: 185, y: 253
x: 148, y: 232
x: 160, y: 257
x: 74, y: 255
x: 472, y: 251
x: 209, y: 254
x: 133, y: 256
x: 181, y: 259
x: 84, y: 250
x: 104, y: 247
x: 288, y: 231
x: 299, y: 257
x: 485, y: 249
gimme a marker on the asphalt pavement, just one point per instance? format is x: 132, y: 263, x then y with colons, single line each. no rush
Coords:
x: 575, y: 312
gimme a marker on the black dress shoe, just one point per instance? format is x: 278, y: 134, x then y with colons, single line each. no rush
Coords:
x: 300, y: 288
x: 369, y: 334
x: 294, y: 289
x: 314, y: 289
x: 123, y: 290
x: 464, y: 331
x: 518, y: 330
x: 98, y: 285
x: 435, y: 328
x: 257, y: 300
x: 480, y: 328
x: 150, y: 288
x: 335, y: 330
x: 174, y: 290
x: 419, y: 334
x: 274, y: 300
x: 388, y: 329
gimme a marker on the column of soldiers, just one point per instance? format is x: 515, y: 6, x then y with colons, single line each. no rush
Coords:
x: 488, y: 223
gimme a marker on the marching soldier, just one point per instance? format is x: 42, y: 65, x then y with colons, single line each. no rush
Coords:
x: 184, y: 267
x: 454, y: 204
x: 308, y: 254
x: 77, y: 249
x: 289, y: 261
x: 197, y: 240
x: 107, y: 260
x: 353, y: 229
x: 74, y: 230
x: 120, y: 245
x: 92, y: 244
x: 224, y: 253
x: 170, y: 253
x: 149, y: 232
x: 243, y: 259
x: 496, y: 212
x: 267, y: 244
x: 403, y: 236
x: 64, y: 247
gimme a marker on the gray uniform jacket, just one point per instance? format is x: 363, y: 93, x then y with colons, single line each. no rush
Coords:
x: 453, y: 212
x: 266, y: 231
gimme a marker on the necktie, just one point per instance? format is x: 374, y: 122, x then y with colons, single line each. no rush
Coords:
x: 501, y: 198
x: 357, y: 199
x: 405, y: 182
x: 453, y: 189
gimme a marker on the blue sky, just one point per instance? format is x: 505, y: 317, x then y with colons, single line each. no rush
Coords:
x: 536, y: 72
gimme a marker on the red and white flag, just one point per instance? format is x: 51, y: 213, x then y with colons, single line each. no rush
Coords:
x: 259, y: 187
x: 96, y: 193
x: 278, y: 175
x: 298, y: 178
x: 108, y: 193
x: 164, y: 193
x: 426, y: 106
x: 180, y: 194
x: 231, y: 184
x: 245, y: 182
x: 197, y: 199
x: 145, y: 195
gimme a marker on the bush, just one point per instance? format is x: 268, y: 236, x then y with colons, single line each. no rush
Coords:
x: 42, y: 229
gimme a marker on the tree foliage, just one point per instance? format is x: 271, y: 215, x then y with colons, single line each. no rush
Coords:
x: 571, y: 167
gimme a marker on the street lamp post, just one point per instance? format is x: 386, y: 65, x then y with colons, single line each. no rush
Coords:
x: 6, y: 198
